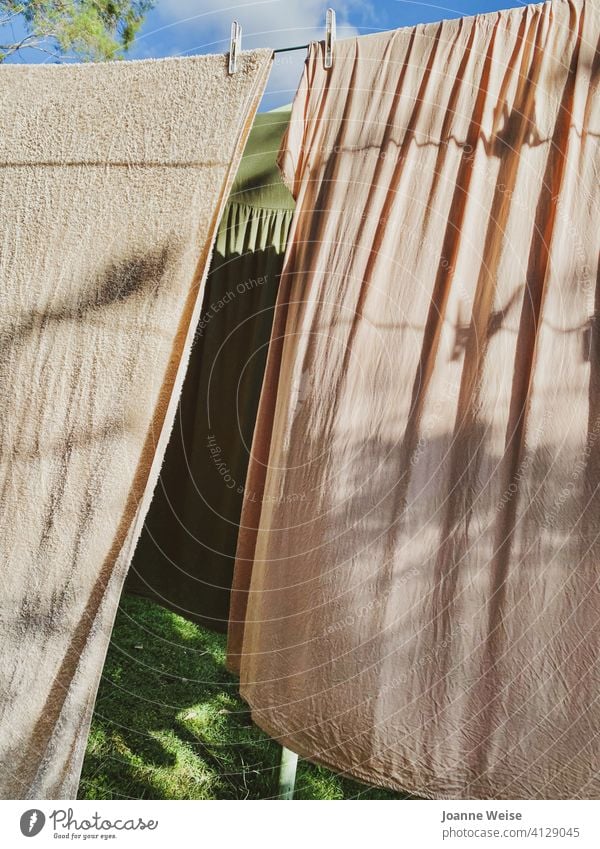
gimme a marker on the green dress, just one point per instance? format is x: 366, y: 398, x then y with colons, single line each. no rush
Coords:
x: 184, y: 559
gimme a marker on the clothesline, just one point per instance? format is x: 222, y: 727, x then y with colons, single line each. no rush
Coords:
x: 290, y: 49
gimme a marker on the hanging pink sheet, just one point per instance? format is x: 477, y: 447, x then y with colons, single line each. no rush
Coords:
x: 416, y: 599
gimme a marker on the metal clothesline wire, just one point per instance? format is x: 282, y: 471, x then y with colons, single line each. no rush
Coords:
x: 289, y: 49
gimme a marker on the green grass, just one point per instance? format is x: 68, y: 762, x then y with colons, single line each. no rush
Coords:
x: 168, y: 722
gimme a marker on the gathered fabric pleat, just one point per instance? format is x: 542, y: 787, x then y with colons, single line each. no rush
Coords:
x: 415, y: 594
x: 184, y: 559
x: 113, y: 178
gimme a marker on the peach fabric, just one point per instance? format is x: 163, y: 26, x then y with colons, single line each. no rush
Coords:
x: 416, y: 599
x: 113, y: 177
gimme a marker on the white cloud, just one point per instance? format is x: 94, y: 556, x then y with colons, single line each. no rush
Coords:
x: 204, y: 25
x: 285, y: 20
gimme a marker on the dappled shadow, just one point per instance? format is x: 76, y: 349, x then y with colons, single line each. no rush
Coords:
x: 118, y: 281
x: 26, y: 448
x: 168, y: 722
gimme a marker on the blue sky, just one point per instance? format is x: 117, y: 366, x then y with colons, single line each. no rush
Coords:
x: 183, y: 27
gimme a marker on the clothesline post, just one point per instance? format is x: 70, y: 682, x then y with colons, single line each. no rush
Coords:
x: 287, y: 773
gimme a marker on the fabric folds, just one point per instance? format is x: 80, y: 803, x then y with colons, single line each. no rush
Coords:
x: 113, y: 178
x: 185, y: 556
x: 415, y: 596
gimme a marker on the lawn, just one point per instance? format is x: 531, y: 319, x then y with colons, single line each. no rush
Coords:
x: 168, y: 722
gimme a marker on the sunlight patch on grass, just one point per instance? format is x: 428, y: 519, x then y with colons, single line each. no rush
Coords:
x: 169, y: 723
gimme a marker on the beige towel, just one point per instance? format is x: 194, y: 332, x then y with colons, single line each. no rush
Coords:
x: 423, y: 609
x: 112, y: 180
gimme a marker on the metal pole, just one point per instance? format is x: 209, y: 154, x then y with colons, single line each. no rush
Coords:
x: 287, y: 773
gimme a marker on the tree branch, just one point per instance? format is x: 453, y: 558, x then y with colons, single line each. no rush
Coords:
x: 31, y: 41
x: 10, y: 17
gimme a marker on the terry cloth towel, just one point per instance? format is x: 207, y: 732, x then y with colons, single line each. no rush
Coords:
x: 422, y: 606
x: 184, y: 559
x: 113, y: 177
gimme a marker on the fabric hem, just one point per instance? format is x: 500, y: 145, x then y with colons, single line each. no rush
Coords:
x: 356, y: 773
